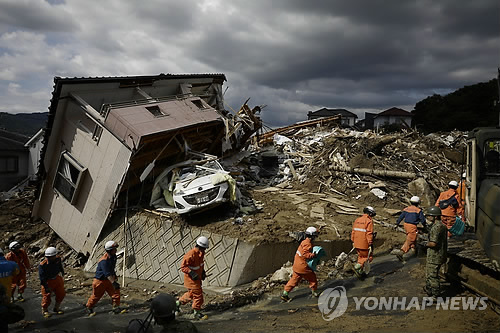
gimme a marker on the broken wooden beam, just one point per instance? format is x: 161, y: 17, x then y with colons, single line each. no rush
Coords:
x: 374, y: 172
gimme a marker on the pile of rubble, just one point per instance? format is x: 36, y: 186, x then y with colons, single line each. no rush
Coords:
x: 392, y: 167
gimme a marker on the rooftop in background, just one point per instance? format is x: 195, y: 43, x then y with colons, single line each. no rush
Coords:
x: 12, y: 141
x: 395, y: 112
x: 324, y: 112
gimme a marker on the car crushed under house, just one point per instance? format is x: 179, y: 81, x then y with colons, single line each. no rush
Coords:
x: 114, y: 142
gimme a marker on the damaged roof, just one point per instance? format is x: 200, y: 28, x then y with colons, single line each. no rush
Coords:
x: 138, y: 121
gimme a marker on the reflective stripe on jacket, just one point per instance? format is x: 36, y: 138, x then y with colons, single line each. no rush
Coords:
x: 362, y: 232
x: 193, y: 261
x: 303, y: 253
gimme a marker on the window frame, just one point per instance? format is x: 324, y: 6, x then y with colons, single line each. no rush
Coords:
x: 65, y: 155
x: 16, y: 162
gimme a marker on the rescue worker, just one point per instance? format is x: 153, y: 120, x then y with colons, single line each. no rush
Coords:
x: 19, y: 256
x: 450, y: 204
x: 162, y: 310
x: 301, y: 269
x: 8, y: 271
x: 436, y: 251
x: 194, y: 272
x: 105, y: 280
x: 51, y: 271
x: 412, y: 216
x: 362, y: 238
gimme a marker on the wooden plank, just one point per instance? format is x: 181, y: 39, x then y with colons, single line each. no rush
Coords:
x: 338, y: 202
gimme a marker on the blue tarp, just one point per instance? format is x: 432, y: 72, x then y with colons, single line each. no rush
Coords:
x: 312, y: 263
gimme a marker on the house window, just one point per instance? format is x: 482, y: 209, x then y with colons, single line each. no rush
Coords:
x: 155, y: 111
x: 68, y: 177
x: 9, y: 164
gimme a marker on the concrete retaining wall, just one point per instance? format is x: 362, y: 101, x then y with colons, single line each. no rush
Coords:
x: 155, y: 247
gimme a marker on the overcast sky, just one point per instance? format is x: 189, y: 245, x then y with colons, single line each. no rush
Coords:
x: 293, y: 55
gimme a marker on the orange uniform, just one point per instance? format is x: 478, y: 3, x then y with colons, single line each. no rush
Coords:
x: 21, y: 259
x: 49, y: 278
x: 101, y: 284
x: 454, y: 207
x: 300, y: 268
x: 362, y: 237
x: 193, y: 262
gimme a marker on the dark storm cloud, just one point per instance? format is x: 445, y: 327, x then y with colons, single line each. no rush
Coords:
x: 35, y: 15
x: 370, y: 54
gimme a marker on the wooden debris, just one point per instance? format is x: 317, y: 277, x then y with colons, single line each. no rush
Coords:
x: 373, y: 172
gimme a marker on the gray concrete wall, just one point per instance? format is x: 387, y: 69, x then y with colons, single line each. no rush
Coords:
x: 156, y: 245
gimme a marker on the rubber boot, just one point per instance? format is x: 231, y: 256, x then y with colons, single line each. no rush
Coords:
x: 118, y: 310
x: 177, y: 307
x: 198, y: 315
x: 90, y: 312
x: 57, y: 309
x: 285, y: 297
x: 20, y: 297
x: 46, y: 313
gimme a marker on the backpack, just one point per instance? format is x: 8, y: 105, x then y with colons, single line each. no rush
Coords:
x: 451, y: 201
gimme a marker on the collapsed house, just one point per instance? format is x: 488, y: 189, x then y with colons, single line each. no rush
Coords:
x: 107, y: 139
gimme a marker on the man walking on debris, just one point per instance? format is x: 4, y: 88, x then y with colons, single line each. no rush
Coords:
x: 194, y: 272
x: 362, y: 238
x: 19, y: 256
x: 105, y: 280
x: 436, y: 252
x: 8, y: 271
x: 412, y: 216
x: 450, y: 204
x: 51, y: 281
x: 301, y: 269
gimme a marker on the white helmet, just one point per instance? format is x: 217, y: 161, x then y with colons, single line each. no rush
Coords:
x: 14, y: 246
x: 415, y: 199
x: 110, y: 245
x: 453, y: 183
x: 202, y: 241
x: 464, y: 175
x: 50, y: 252
x: 312, y: 231
x: 369, y: 210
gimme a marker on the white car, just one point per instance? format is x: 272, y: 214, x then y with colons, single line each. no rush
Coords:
x: 195, y: 184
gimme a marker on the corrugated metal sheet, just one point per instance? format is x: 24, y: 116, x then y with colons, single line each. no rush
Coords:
x: 135, y: 122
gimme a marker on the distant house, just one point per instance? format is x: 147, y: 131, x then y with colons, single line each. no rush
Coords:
x: 13, y: 159
x: 392, y: 116
x: 348, y: 118
x: 34, y: 145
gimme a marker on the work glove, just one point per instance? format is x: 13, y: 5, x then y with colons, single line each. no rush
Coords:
x: 193, y: 275
x: 116, y: 285
x: 203, y: 275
